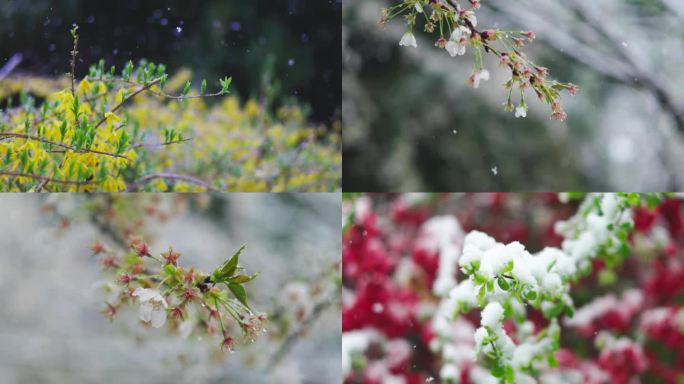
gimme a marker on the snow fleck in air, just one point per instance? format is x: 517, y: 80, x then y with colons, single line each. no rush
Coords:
x: 624, y: 44
x: 179, y: 29
x: 455, y: 131
x: 378, y: 308
x: 430, y: 379
x: 291, y: 62
x: 495, y: 170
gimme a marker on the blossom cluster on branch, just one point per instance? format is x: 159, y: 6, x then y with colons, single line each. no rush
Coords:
x: 134, y: 276
x: 191, y: 300
x: 431, y: 296
x: 457, y: 29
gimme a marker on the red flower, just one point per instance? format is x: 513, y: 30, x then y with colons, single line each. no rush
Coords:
x: 171, y: 257
x: 382, y: 305
x: 140, y: 248
x: 97, y: 248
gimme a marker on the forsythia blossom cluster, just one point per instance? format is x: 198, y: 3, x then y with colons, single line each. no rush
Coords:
x: 121, y: 130
x: 457, y: 29
x: 190, y: 300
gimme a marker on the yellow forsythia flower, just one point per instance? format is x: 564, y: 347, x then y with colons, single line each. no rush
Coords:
x: 84, y: 87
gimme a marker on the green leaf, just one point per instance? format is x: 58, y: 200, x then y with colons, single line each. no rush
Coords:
x: 481, y: 297
x: 241, y: 279
x: 128, y: 69
x: 509, y: 374
x: 171, y: 271
x: 503, y: 284
x: 239, y: 293
x: 186, y: 89
x: 497, y: 370
x: 203, y: 89
x: 554, y: 311
x: 553, y: 363
x: 225, y: 84
x: 228, y: 268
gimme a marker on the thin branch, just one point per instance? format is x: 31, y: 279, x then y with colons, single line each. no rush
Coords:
x: 170, y: 176
x: 44, y: 178
x: 74, y: 53
x: 318, y: 309
x: 132, y: 95
x: 139, y: 145
x: 58, y: 144
x: 12, y: 63
x: 161, y: 93
x: 623, y: 69
x: 99, y: 219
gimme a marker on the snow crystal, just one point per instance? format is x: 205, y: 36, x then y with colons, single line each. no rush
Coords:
x: 523, y: 355
x: 480, y: 335
x: 553, y: 283
x: 464, y: 292
x: 492, y: 315
x: 521, y: 270
x: 471, y: 254
x: 494, y: 260
x: 480, y: 240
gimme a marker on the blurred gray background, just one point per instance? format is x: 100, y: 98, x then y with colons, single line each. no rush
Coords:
x: 410, y: 114
x: 51, y: 329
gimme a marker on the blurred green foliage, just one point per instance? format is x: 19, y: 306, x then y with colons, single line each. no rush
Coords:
x: 286, y: 47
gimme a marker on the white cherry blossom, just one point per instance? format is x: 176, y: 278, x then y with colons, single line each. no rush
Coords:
x: 152, y: 306
x: 408, y: 40
x: 521, y: 111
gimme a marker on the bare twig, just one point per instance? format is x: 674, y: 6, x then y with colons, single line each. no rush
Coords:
x: 58, y: 144
x: 12, y: 63
x: 132, y: 95
x: 74, y: 53
x: 319, y: 308
x: 139, y: 145
x: 44, y: 178
x: 99, y: 219
x: 170, y: 176
x: 624, y: 68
